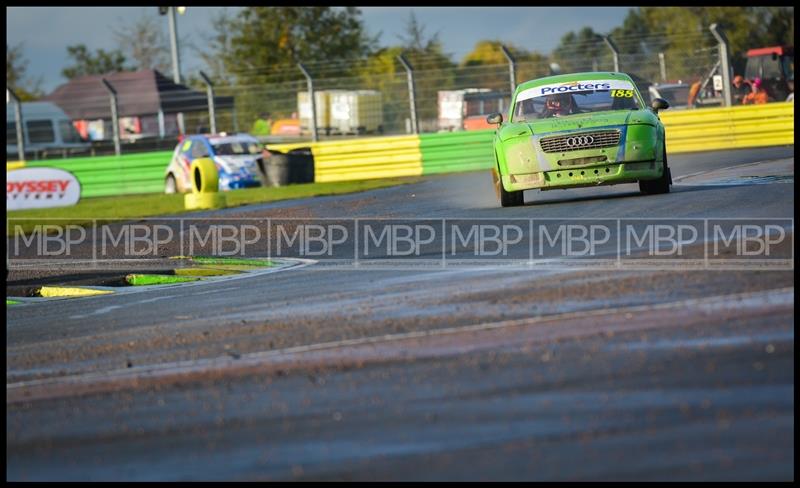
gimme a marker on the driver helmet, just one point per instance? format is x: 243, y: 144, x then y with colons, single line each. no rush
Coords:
x: 559, y: 104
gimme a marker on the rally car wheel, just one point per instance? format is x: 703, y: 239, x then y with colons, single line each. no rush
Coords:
x: 660, y: 185
x: 169, y: 185
x: 507, y: 198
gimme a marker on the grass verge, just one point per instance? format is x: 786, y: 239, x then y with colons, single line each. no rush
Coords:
x: 154, y: 279
x: 107, y: 209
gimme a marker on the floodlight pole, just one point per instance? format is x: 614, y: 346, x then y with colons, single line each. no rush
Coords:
x: 512, y: 68
x: 114, y: 115
x: 173, y: 41
x: 18, y: 123
x: 411, y: 93
x: 211, y: 113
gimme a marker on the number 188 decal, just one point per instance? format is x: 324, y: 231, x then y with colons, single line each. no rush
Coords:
x: 622, y: 93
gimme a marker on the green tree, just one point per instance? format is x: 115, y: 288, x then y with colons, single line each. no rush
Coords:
x: 272, y: 40
x: 434, y: 70
x: 145, y: 43
x: 582, y: 51
x: 256, y: 53
x: 219, y: 49
x: 529, y: 64
x: 775, y: 26
x: 17, y: 79
x: 86, y: 63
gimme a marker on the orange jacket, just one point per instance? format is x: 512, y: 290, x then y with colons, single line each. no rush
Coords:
x: 755, y: 98
x: 693, y: 91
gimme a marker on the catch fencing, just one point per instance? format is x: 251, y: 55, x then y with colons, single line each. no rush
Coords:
x: 377, y: 96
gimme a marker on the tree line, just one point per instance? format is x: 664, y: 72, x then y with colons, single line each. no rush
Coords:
x: 262, y: 45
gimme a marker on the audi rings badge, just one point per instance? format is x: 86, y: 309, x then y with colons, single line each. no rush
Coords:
x: 579, y: 141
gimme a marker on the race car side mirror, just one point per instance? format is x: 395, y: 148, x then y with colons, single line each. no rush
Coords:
x: 659, y: 104
x: 495, y: 118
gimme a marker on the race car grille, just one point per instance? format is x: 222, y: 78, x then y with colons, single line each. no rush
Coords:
x: 581, y: 140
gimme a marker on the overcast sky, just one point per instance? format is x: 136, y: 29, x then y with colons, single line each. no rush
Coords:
x: 46, y: 31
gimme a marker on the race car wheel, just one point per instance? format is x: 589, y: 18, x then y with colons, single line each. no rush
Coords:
x: 660, y: 185
x: 507, y: 198
x: 170, y: 186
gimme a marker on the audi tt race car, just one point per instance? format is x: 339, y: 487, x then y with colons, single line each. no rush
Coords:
x: 237, y: 158
x: 578, y: 130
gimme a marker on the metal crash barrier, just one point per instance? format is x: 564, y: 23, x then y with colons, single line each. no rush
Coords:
x: 687, y: 131
x: 414, y: 155
x: 729, y: 128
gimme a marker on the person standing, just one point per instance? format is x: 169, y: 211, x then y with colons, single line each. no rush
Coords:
x: 758, y: 95
x: 263, y: 125
x: 694, y: 90
x: 740, y: 89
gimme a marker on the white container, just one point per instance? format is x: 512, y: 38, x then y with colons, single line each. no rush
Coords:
x: 356, y: 112
x: 321, y: 98
x: 451, y: 108
x: 451, y: 105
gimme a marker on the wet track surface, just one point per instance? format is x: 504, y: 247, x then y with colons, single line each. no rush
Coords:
x: 451, y: 374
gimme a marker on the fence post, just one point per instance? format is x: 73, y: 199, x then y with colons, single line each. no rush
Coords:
x: 411, y: 93
x: 18, y: 122
x: 724, y: 62
x: 161, y: 126
x: 512, y: 68
x: 114, y: 116
x: 663, y: 65
x: 311, y: 100
x: 212, y: 116
x: 614, y: 51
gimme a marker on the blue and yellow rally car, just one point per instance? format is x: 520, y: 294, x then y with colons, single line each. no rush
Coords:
x: 238, y: 158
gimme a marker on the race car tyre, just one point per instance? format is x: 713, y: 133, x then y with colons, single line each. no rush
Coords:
x: 169, y: 185
x: 660, y: 185
x: 507, y: 198
x: 205, y: 178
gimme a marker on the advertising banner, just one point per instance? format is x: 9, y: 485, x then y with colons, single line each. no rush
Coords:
x: 41, y: 188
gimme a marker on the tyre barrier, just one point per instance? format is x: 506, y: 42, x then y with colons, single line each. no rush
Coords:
x: 205, y: 186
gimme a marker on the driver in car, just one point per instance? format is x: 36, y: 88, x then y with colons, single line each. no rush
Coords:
x: 559, y: 105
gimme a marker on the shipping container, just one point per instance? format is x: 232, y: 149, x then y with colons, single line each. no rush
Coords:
x: 356, y: 112
x: 461, y: 109
x: 322, y: 100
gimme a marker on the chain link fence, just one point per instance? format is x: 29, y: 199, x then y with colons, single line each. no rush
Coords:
x: 361, y: 97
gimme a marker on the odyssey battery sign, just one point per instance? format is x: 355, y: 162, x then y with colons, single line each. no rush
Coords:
x: 41, y: 188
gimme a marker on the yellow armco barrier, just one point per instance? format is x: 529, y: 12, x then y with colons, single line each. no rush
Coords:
x: 205, y: 186
x: 12, y: 165
x: 742, y: 126
x: 380, y: 157
x: 362, y: 159
x: 687, y: 131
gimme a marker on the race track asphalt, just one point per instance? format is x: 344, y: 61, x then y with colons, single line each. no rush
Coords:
x: 458, y: 373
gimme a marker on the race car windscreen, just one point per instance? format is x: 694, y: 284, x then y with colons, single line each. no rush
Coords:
x: 235, y: 148
x: 564, y: 99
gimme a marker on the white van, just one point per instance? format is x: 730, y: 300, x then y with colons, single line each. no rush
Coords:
x: 45, y: 127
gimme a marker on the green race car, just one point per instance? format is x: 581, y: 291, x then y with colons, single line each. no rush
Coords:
x: 577, y: 130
